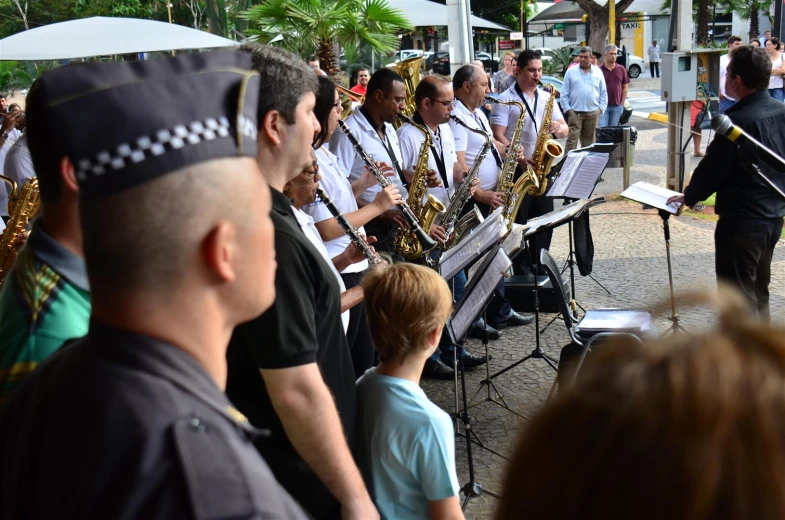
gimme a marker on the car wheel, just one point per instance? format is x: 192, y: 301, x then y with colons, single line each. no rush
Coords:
x: 634, y: 71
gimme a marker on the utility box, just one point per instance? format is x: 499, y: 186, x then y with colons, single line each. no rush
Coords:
x: 679, y: 77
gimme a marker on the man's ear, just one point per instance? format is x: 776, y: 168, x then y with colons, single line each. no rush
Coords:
x: 272, y: 126
x: 68, y: 175
x: 219, y: 250
x: 378, y: 96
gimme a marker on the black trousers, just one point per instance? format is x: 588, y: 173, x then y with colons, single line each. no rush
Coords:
x: 653, y: 65
x: 743, y: 252
x: 358, y: 334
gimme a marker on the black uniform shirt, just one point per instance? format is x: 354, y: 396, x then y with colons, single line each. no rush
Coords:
x: 724, y: 170
x: 303, y: 326
x: 122, y: 426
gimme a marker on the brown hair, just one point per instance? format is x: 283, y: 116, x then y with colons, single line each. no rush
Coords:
x: 404, y: 303
x: 685, y: 428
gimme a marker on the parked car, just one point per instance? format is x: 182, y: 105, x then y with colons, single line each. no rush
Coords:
x: 545, y: 53
x: 441, y: 63
x: 482, y: 56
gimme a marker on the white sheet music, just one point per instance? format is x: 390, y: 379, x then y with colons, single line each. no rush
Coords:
x: 568, y: 170
x: 486, y: 234
x: 589, y: 172
x: 472, y: 306
x: 652, y: 195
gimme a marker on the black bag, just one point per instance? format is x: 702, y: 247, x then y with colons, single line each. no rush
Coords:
x: 584, y: 245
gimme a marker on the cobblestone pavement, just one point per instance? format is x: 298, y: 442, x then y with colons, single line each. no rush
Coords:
x: 630, y: 261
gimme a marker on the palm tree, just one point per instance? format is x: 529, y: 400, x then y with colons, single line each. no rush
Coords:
x: 318, y: 25
x: 700, y: 14
x: 751, y: 9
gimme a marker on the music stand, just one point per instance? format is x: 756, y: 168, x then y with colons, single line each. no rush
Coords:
x: 657, y: 197
x: 475, y: 297
x: 537, y: 225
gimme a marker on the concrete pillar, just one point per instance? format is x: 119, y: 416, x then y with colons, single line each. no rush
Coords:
x: 459, y: 31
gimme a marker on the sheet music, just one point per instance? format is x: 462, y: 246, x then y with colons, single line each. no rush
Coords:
x: 568, y: 170
x: 465, y: 251
x: 584, y: 181
x: 514, y: 241
x: 472, y: 306
x: 652, y: 195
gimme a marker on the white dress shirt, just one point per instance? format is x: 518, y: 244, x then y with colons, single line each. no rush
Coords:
x: 507, y: 116
x: 339, y: 189
x: 724, y: 61
x: 308, y: 227
x: 411, y: 140
x: 584, y: 91
x: 471, y: 143
x: 350, y: 161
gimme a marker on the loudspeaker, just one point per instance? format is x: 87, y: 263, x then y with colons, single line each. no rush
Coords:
x: 519, y: 291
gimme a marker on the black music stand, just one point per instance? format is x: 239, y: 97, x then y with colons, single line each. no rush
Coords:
x: 475, y: 298
x: 538, y: 225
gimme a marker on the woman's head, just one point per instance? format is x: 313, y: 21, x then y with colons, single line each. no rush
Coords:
x: 772, y: 45
x: 688, y: 427
x: 327, y: 110
x: 302, y: 189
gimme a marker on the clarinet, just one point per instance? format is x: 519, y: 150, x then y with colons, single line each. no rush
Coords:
x: 427, y: 242
x: 349, y: 229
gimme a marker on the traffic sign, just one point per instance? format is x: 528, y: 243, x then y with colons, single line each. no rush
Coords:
x: 516, y: 36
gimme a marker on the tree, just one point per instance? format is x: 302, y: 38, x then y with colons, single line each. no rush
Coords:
x: 700, y: 14
x: 751, y: 9
x: 598, y: 18
x: 309, y: 26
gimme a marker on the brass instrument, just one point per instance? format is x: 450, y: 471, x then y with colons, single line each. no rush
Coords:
x: 410, y: 70
x: 528, y: 182
x: 350, y: 96
x: 546, y: 150
x: 22, y: 207
x: 406, y: 242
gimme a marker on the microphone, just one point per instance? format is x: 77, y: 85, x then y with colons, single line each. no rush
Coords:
x: 723, y: 125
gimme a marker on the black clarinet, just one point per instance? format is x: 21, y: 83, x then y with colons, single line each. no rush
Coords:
x: 349, y: 229
x: 427, y: 242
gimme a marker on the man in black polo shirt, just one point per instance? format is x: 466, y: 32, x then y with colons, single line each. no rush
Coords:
x: 290, y: 369
x: 750, y: 212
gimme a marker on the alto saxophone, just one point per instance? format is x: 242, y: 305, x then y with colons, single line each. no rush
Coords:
x: 546, y: 150
x: 513, y: 190
x: 406, y: 241
x: 348, y: 229
x: 455, y: 227
x: 22, y: 206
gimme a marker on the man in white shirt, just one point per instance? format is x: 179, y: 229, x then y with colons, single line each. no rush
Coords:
x: 371, y: 124
x: 725, y: 100
x: 471, y: 86
x: 585, y: 98
x: 505, y: 117
x: 654, y: 59
x: 18, y: 167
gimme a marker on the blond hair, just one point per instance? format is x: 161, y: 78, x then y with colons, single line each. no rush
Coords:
x: 404, y: 303
x: 688, y: 427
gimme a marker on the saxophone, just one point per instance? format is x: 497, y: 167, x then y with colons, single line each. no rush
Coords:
x: 528, y: 182
x: 22, y: 206
x: 546, y: 150
x: 406, y: 242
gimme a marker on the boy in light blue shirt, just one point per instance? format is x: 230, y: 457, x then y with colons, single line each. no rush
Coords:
x: 405, y: 443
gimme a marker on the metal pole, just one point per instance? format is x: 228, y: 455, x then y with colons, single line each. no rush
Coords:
x: 612, y: 22
x: 777, y: 29
x: 627, y: 134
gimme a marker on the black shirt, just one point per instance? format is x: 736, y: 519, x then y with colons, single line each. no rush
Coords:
x: 724, y: 170
x: 303, y: 326
x: 119, y: 425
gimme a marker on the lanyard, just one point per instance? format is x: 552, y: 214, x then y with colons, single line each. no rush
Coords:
x: 494, y: 151
x: 532, y: 115
x: 388, y: 148
x: 438, y: 156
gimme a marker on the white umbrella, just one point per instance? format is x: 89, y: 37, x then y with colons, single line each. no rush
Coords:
x: 100, y: 36
x: 424, y: 13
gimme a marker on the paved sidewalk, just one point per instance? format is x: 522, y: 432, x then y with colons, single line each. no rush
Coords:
x: 630, y: 262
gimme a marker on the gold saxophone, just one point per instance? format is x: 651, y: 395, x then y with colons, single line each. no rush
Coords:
x: 513, y: 190
x: 22, y: 207
x: 406, y: 242
x: 546, y: 150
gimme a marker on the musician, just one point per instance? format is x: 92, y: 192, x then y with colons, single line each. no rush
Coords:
x: 505, y: 117
x: 750, y: 211
x: 290, y: 369
x: 435, y: 101
x: 335, y: 183
x: 131, y: 421
x: 470, y: 85
x: 372, y: 125
x: 51, y: 267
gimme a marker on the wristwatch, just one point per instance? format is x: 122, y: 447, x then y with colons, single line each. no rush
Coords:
x: 5, y: 135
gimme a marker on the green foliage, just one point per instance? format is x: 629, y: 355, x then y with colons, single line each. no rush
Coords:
x: 16, y: 76
x: 309, y: 26
x: 559, y: 62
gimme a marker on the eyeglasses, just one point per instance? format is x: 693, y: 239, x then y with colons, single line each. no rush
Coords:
x: 314, y: 171
x: 444, y: 103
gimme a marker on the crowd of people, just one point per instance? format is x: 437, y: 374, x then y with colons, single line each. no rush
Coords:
x: 189, y: 332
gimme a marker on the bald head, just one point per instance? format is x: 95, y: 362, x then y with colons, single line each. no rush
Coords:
x: 429, y: 87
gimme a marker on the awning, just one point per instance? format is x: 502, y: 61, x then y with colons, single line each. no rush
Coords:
x: 424, y: 13
x: 565, y: 10
x: 100, y: 36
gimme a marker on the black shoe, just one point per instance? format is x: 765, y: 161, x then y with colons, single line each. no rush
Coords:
x: 469, y: 360
x: 435, y: 369
x: 513, y: 320
x: 479, y: 333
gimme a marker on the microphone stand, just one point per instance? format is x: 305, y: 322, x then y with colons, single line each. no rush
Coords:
x: 756, y: 170
x: 676, y: 326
